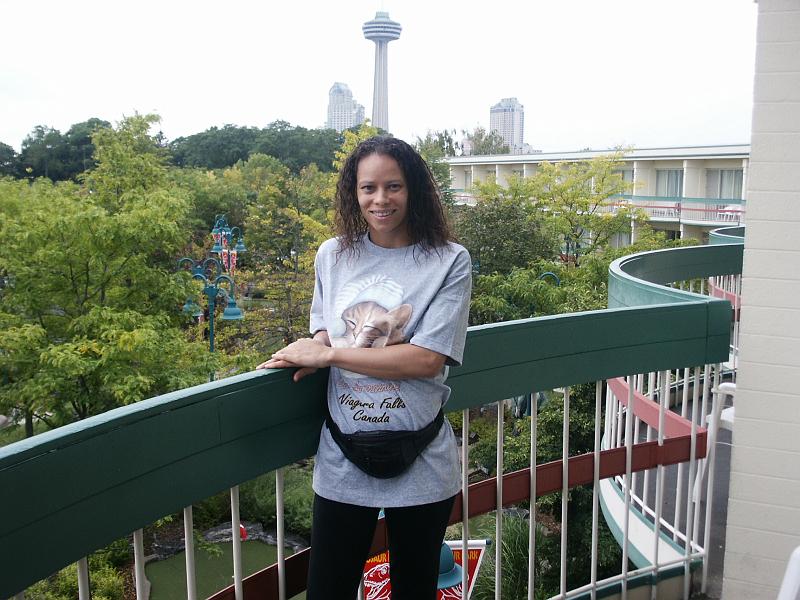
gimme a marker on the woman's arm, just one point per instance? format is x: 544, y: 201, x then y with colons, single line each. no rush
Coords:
x: 399, y: 361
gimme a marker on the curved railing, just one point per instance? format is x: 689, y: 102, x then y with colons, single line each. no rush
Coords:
x: 80, y: 487
x: 727, y: 235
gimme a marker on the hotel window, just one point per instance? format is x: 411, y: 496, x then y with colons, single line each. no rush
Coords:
x: 724, y: 183
x: 669, y: 183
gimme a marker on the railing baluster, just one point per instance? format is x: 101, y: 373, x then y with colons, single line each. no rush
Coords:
x: 83, y: 580
x: 464, y: 499
x: 279, y: 502
x: 679, y: 483
x: 707, y: 384
x: 692, y: 515
x: 598, y: 398
x: 619, y: 424
x: 138, y: 565
x: 564, y: 490
x: 651, y: 391
x: 188, y: 539
x: 716, y: 406
x: 498, y: 521
x: 236, y: 538
x: 628, y: 469
x: 532, y: 506
x: 662, y: 409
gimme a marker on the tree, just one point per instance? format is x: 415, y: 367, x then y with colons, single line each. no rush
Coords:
x: 8, y: 161
x: 47, y: 153
x: 504, y: 229
x: 578, y: 196
x: 483, y: 143
x: 352, y: 138
x: 298, y: 147
x: 90, y: 307
x: 43, y: 153
x: 80, y: 149
x: 214, y: 148
x: 433, y: 148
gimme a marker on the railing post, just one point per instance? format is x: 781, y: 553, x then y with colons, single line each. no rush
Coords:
x: 465, y: 499
x: 628, y: 468
x: 188, y: 534
x: 564, y: 490
x: 138, y: 565
x: 498, y: 522
x: 236, y: 538
x: 662, y: 408
x: 281, y: 534
x: 598, y: 398
x: 679, y: 483
x: 83, y: 580
x: 717, y: 399
x: 692, y: 516
x: 532, y: 506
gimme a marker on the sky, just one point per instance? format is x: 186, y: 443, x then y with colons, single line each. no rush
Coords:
x: 597, y: 74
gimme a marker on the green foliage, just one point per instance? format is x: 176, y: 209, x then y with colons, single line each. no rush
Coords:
x: 9, y: 162
x: 483, y: 143
x: 298, y: 147
x: 47, y: 153
x: 107, y: 583
x: 90, y: 309
x: 352, y: 138
x: 214, y: 148
x: 503, y: 230
x: 257, y: 499
x: 295, y: 147
x: 434, y: 147
x: 514, y: 557
x: 576, y: 196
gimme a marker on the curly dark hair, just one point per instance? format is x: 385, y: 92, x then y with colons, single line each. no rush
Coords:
x: 427, y: 224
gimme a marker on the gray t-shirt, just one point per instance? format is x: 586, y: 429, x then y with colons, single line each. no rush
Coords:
x: 379, y: 297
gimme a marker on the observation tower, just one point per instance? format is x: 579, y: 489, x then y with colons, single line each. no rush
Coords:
x: 381, y: 30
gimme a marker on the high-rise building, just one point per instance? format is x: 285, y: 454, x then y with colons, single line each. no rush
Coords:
x: 507, y: 118
x: 343, y: 111
x: 381, y: 30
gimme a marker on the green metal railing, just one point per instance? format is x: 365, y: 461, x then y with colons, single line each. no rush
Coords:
x: 73, y: 490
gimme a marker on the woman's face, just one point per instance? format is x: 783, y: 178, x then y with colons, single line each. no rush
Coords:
x: 383, y: 199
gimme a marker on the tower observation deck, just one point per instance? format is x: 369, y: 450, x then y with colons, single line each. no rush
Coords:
x: 381, y: 30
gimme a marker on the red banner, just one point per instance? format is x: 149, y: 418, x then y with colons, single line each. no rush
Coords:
x: 376, y: 573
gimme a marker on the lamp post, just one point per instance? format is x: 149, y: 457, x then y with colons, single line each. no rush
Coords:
x: 210, y: 273
x: 223, y: 243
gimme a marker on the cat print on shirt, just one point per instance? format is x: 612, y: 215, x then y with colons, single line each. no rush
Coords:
x: 370, y: 325
x: 372, y: 315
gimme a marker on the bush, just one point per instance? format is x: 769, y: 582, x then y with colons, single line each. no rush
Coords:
x: 515, y: 564
x: 257, y: 499
x: 107, y: 583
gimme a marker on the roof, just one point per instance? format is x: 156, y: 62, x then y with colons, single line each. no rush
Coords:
x: 673, y: 153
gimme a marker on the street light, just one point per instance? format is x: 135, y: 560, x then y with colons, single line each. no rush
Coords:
x: 223, y: 242
x: 210, y: 273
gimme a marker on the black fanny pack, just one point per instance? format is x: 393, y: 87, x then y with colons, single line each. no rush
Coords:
x: 384, y: 454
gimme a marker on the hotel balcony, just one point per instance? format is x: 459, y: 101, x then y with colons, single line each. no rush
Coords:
x: 690, y: 333
x: 660, y: 359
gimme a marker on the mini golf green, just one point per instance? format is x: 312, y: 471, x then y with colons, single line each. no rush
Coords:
x: 168, y: 577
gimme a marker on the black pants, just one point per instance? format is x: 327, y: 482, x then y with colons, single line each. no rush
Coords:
x: 341, y: 536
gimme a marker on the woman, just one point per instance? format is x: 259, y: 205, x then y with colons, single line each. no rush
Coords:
x: 389, y: 314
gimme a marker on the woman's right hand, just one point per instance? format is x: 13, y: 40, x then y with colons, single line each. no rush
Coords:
x: 306, y: 355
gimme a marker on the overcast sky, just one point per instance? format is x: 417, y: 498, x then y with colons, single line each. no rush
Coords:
x: 590, y: 73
